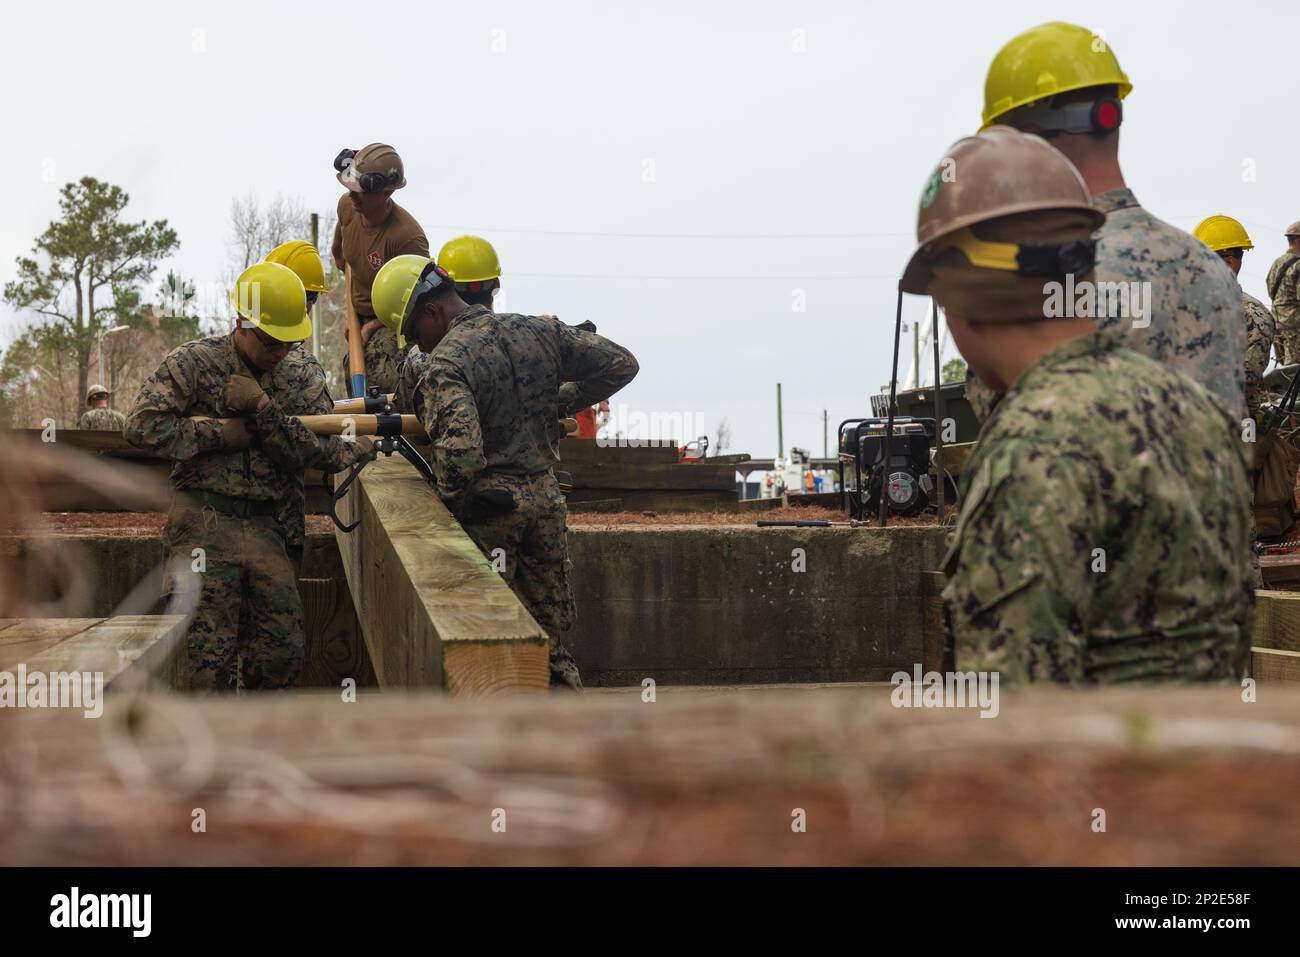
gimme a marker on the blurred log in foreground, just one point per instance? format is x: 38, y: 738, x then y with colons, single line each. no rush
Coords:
x: 1183, y: 776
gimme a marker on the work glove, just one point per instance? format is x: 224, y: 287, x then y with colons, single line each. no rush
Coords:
x: 235, y: 435
x: 243, y: 395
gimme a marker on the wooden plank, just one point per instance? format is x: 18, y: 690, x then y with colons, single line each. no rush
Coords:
x: 591, y: 452
x: 335, y: 648
x: 1267, y: 665
x: 1280, y: 569
x: 133, y: 651
x: 29, y: 637
x: 432, y: 610
x: 713, y: 779
x: 660, y: 477
x: 1277, y: 620
x: 96, y: 442
x: 654, y: 500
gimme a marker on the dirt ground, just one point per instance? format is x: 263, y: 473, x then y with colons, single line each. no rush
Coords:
x: 149, y: 524
x: 139, y: 524
x: 745, y: 517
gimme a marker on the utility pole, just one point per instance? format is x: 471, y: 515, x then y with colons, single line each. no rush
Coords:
x: 315, y: 306
x: 825, y: 434
x: 780, y: 430
x: 916, y: 352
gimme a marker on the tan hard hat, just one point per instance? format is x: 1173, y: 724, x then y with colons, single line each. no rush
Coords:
x: 95, y: 390
x: 375, y: 167
x: 1293, y: 229
x: 999, y: 172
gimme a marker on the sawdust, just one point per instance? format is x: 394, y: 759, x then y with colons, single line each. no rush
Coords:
x: 138, y: 524
x: 150, y: 524
x: 745, y: 517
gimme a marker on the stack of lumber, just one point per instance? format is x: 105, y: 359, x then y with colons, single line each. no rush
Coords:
x: 644, y: 478
x: 63, y: 495
x: 616, y: 479
x: 1183, y: 776
x: 1275, y: 647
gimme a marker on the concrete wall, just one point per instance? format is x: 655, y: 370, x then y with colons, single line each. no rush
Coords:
x: 681, y: 605
x: 723, y: 605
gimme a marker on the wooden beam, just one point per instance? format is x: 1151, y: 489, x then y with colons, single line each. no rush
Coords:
x: 432, y: 610
x: 1280, y: 570
x: 661, y: 477
x: 27, y: 638
x: 131, y: 651
x: 655, y: 500
x: 713, y: 779
x: 335, y: 648
x: 591, y: 452
x: 1277, y: 620
x: 1267, y: 665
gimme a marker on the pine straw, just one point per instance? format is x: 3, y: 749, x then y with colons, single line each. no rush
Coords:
x: 743, y: 517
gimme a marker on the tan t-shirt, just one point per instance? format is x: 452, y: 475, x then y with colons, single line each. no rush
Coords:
x: 367, y: 248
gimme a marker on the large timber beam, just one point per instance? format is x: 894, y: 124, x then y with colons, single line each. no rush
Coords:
x: 1187, y: 776
x: 432, y: 610
x: 132, y: 652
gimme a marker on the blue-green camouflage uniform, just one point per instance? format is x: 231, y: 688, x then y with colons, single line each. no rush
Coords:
x: 1104, y: 528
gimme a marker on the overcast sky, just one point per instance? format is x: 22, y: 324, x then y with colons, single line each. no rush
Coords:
x: 680, y: 173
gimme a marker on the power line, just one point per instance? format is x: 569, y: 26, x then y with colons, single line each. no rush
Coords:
x: 481, y: 230
x: 892, y: 277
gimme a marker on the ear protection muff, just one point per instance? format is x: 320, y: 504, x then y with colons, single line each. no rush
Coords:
x: 344, y: 159
x: 369, y: 182
x: 1099, y: 117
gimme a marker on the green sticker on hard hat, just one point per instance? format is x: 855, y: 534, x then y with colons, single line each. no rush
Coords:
x: 931, y: 189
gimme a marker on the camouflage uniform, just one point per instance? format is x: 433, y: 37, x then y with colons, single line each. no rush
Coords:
x: 1285, y: 291
x: 491, y: 408
x: 227, y: 502
x: 101, y: 420
x: 383, y: 358
x: 336, y: 456
x: 412, y: 375
x: 1195, y: 301
x: 1097, y: 447
x: 1260, y: 334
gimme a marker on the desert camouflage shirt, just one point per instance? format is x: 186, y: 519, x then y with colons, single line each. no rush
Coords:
x: 191, y: 383
x: 1285, y: 289
x: 1104, y: 532
x: 1261, y: 330
x: 1195, y: 300
x: 493, y: 400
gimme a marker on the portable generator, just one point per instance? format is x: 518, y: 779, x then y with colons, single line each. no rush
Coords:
x: 906, y: 477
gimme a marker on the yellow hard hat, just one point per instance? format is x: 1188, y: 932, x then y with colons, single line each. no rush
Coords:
x: 397, y: 286
x: 1047, y: 60
x: 469, y: 259
x: 272, y: 298
x: 302, y: 257
x: 1222, y: 232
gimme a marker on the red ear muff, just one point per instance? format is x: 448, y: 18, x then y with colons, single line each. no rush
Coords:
x: 1107, y: 114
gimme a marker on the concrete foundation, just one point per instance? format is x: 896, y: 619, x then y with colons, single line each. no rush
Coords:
x: 743, y: 605
x: 680, y: 605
